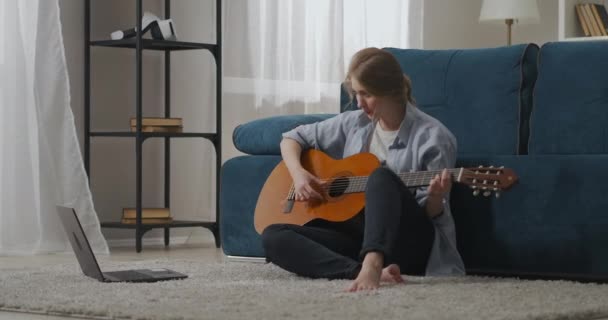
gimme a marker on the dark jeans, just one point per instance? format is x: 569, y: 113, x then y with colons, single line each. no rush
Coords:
x: 392, y: 223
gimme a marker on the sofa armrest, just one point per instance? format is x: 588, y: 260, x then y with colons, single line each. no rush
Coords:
x: 242, y: 180
x: 262, y: 136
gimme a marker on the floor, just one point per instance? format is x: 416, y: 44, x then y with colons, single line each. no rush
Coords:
x: 205, y: 252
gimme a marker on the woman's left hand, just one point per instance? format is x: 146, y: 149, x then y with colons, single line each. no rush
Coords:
x: 440, y: 185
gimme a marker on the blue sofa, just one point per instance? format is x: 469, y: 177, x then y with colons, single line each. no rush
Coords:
x: 541, y: 111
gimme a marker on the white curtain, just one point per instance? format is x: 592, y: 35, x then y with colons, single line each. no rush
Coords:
x: 282, y: 52
x: 40, y: 160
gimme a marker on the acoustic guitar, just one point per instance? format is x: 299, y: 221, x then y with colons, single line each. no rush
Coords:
x: 344, y: 186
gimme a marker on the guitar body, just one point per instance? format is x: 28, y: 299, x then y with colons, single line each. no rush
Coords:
x: 273, y: 205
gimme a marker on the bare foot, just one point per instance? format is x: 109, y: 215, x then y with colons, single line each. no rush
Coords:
x: 392, y: 273
x: 370, y: 274
x: 368, y: 279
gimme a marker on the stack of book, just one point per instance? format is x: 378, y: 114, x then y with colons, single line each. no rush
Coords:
x: 158, y: 124
x: 148, y: 216
x: 593, y: 18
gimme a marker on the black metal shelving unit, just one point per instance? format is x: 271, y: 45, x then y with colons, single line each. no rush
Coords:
x: 140, y: 44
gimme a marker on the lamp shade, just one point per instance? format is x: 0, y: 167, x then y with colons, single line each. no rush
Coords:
x: 522, y: 11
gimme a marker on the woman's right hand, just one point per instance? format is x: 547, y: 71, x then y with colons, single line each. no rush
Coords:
x: 307, y: 186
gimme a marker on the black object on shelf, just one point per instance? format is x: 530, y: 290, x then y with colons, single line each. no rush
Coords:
x: 140, y: 44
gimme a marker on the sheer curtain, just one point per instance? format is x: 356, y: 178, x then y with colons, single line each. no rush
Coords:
x: 286, y: 52
x: 40, y: 160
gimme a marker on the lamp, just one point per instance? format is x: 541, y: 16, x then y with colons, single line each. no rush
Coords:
x: 509, y: 11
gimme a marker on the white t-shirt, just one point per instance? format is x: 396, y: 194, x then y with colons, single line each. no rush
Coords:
x: 381, y: 140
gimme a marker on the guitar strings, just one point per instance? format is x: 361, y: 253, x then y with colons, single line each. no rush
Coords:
x: 415, y: 178
x: 358, y: 183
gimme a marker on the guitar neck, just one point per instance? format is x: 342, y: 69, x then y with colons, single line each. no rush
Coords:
x: 423, y: 178
x: 410, y: 179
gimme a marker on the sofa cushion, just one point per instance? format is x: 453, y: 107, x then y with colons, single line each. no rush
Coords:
x: 484, y: 96
x: 570, y: 114
x: 263, y: 136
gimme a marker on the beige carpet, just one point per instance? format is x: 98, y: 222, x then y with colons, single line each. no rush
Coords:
x: 235, y: 290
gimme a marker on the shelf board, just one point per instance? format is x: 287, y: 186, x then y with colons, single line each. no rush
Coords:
x: 174, y: 224
x: 152, y: 44
x: 130, y: 134
x: 586, y: 38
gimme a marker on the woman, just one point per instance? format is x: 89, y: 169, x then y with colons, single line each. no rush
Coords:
x: 400, y: 230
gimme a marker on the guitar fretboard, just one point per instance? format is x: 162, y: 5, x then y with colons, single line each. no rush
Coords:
x: 410, y: 179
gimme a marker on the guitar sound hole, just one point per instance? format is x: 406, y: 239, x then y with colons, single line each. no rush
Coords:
x: 338, y: 187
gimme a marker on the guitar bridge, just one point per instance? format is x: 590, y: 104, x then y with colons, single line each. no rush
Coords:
x: 288, y: 206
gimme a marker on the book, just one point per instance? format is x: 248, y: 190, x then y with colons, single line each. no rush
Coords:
x: 598, y: 20
x: 147, y: 220
x: 153, y: 121
x: 595, y: 29
x: 146, y: 213
x: 602, y: 17
x: 582, y: 21
x: 159, y: 129
x: 587, y: 19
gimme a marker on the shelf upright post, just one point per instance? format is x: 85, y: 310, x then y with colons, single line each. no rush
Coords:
x: 218, y: 117
x: 167, y: 115
x: 138, y: 134
x: 87, y: 87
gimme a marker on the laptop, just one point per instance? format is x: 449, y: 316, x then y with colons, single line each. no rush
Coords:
x: 88, y: 262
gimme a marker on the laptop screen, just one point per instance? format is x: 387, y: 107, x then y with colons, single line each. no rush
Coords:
x: 79, y: 243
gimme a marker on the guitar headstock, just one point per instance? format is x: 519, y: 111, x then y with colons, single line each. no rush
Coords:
x: 486, y: 180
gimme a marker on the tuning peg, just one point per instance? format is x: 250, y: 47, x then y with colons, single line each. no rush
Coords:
x: 487, y: 193
x: 497, y: 194
x: 476, y: 192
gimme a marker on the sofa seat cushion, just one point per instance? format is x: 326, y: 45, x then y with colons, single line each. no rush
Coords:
x: 484, y: 96
x: 262, y: 136
x: 553, y: 221
x: 570, y: 114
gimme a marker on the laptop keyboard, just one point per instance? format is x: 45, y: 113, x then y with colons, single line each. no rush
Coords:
x: 128, y: 275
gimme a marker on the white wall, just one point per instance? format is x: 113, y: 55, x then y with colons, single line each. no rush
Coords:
x: 455, y: 24
x: 447, y: 24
